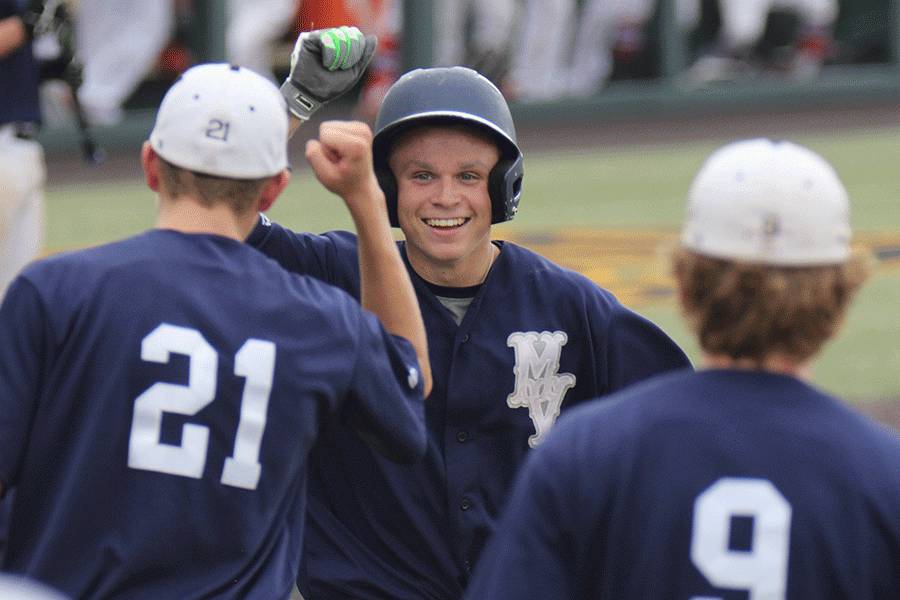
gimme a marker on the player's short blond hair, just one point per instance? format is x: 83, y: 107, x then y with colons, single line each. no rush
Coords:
x: 240, y: 194
x: 750, y: 311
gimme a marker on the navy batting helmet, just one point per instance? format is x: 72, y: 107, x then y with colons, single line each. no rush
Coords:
x: 450, y: 95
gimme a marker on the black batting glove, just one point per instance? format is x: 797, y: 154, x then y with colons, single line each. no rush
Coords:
x: 325, y: 63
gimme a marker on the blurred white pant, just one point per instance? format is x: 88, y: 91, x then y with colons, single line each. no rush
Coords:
x: 592, y: 56
x: 492, y: 25
x: 22, y: 177
x: 541, y: 50
x: 563, y: 54
x: 254, y: 27
x: 744, y: 21
x: 119, y: 42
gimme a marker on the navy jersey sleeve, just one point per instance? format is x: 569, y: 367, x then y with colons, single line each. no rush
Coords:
x: 330, y: 257
x: 19, y: 99
x: 24, y: 340
x: 637, y: 349
x: 388, y: 411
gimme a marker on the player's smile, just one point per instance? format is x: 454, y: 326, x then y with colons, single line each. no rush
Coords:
x: 445, y: 233
x: 446, y: 223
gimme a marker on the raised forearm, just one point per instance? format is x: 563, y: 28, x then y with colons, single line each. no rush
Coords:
x: 386, y: 289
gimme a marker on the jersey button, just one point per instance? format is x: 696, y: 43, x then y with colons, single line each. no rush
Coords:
x: 464, y: 504
x: 462, y: 436
x: 465, y: 338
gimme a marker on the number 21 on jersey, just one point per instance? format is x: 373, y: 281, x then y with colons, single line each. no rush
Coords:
x: 255, y: 361
x: 763, y: 569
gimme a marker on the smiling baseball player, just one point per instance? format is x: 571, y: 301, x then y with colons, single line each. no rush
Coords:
x: 514, y: 340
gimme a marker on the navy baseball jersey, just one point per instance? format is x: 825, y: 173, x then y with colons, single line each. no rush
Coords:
x: 536, y: 339
x: 19, y: 99
x: 158, y: 400
x: 717, y: 484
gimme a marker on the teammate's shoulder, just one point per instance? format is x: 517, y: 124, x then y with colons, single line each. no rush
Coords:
x: 652, y: 395
x: 311, y: 287
x: 623, y: 417
x: 292, y: 248
x: 878, y: 430
x: 266, y: 229
x: 870, y: 446
x: 91, y: 258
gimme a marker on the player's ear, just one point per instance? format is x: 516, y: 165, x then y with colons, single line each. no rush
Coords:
x: 150, y: 162
x: 273, y: 188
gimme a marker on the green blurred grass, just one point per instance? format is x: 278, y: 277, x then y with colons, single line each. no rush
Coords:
x: 640, y: 186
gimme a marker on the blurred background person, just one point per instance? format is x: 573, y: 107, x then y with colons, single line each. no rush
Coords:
x: 119, y: 42
x: 543, y: 32
x: 122, y: 43
x: 741, y: 47
x: 254, y: 28
x: 22, y: 167
x: 568, y: 49
x: 615, y: 31
x: 475, y: 34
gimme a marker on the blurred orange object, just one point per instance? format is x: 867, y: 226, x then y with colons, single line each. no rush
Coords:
x: 322, y: 14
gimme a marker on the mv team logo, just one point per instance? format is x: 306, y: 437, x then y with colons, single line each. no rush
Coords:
x: 539, y: 386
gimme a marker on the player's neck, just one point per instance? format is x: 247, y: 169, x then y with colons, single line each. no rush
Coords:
x: 467, y: 272
x: 773, y: 363
x: 189, y: 216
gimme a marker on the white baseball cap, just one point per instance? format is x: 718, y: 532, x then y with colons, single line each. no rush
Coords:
x: 775, y: 203
x: 223, y: 120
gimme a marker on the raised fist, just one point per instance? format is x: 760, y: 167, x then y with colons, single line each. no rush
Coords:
x: 325, y: 63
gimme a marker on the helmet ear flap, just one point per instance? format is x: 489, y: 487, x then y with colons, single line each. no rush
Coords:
x: 505, y: 188
x: 388, y: 184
